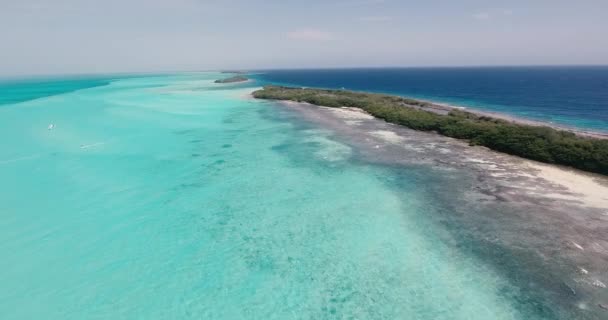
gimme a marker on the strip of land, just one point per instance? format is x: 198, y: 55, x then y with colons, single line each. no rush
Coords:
x: 541, y: 143
x: 232, y: 79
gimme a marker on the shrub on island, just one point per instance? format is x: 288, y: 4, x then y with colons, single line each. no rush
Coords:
x: 232, y: 79
x: 538, y: 143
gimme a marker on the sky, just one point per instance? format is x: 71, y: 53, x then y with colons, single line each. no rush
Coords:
x: 105, y: 36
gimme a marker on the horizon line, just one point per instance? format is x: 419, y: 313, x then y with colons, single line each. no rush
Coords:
x: 247, y: 70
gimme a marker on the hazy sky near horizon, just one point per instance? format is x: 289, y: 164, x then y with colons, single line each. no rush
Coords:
x: 89, y: 36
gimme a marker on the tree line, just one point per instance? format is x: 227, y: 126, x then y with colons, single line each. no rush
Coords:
x: 538, y: 143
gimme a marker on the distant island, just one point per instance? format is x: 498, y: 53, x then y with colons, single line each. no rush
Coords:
x: 232, y: 79
x: 535, y: 142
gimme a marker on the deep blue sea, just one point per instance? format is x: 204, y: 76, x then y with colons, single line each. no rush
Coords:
x: 569, y: 96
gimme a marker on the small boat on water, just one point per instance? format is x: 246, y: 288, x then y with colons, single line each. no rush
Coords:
x: 51, y: 126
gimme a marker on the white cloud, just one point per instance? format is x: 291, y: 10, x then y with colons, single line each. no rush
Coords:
x: 376, y: 19
x: 491, y: 14
x: 356, y: 3
x: 363, y: 2
x: 310, y: 35
x: 482, y: 16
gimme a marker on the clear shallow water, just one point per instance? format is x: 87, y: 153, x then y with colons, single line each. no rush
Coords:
x: 571, y: 96
x: 172, y: 197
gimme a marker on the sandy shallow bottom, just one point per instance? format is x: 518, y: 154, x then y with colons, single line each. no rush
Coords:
x: 556, y: 229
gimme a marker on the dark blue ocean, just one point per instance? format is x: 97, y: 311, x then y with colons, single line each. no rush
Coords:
x: 569, y: 96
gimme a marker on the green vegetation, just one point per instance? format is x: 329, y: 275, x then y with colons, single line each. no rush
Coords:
x: 538, y: 143
x: 232, y: 79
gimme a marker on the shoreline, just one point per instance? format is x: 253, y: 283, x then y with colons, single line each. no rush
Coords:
x: 239, y: 78
x: 582, y: 183
x: 520, y: 120
x: 509, y: 135
x: 441, y: 108
x: 552, y: 219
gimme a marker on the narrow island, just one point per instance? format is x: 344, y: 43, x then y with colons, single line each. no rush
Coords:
x: 234, y: 79
x: 540, y: 143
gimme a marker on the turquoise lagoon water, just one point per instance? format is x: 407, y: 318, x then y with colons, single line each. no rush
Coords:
x: 171, y: 197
